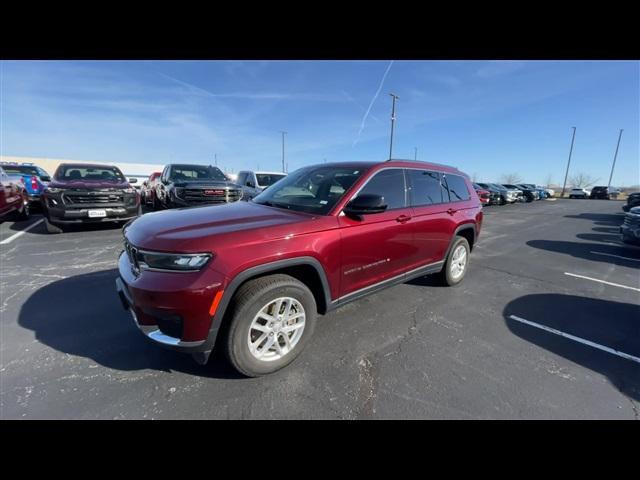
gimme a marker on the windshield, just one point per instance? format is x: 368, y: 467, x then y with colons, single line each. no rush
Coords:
x: 89, y: 174
x: 196, y: 172
x: 311, y: 189
x: 496, y: 186
x: 268, y: 179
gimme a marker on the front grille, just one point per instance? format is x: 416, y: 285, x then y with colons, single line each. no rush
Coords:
x: 98, y: 196
x: 132, y: 255
x: 632, y: 220
x: 211, y: 195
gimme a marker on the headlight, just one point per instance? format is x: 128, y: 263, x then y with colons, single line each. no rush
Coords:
x: 129, y: 190
x: 53, y: 190
x: 181, y: 262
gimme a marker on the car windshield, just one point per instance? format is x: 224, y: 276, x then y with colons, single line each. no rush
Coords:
x: 496, y: 186
x: 268, y: 179
x: 89, y: 174
x: 196, y: 172
x: 314, y: 189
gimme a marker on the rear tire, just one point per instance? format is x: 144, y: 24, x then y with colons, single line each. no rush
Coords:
x: 455, y: 267
x: 24, y: 213
x: 52, y: 227
x: 248, y: 325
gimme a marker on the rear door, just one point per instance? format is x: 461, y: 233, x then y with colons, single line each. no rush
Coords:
x: 378, y: 246
x: 431, y: 222
x: 463, y: 201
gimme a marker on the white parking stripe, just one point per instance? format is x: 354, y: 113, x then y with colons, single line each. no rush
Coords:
x: 602, y: 281
x: 617, y: 256
x: 22, y: 232
x: 577, y: 339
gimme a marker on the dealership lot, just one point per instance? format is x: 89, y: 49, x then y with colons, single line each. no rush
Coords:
x: 545, y: 325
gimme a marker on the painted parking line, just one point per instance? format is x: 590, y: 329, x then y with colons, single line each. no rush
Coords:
x: 602, y: 281
x: 617, y: 256
x: 22, y: 232
x: 577, y: 339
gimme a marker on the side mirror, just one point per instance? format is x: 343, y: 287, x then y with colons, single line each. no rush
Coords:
x: 45, y: 178
x: 251, y: 184
x: 133, y: 180
x: 365, y: 204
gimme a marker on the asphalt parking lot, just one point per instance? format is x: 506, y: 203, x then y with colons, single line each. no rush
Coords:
x: 502, y: 345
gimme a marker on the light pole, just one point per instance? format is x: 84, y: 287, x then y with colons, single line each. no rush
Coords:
x: 415, y: 155
x: 568, y: 163
x: 614, y: 159
x: 283, y: 134
x: 393, y: 121
x: 215, y: 158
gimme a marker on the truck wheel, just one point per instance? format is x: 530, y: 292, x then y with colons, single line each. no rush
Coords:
x: 455, y: 267
x: 273, y: 318
x: 155, y: 205
x: 51, y: 227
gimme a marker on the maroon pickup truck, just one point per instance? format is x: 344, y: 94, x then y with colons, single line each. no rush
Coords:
x: 86, y: 193
x: 260, y: 272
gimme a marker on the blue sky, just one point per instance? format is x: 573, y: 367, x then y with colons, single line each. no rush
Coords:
x: 487, y: 118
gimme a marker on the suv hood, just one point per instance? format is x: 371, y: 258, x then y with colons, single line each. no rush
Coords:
x: 86, y: 184
x: 193, y: 229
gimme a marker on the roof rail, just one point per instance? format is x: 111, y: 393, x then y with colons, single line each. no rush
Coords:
x: 420, y: 161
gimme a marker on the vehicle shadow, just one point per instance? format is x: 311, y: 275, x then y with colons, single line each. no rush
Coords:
x: 83, y: 316
x: 583, y: 250
x: 603, y: 219
x: 600, y: 237
x: 85, y: 227
x: 611, y: 324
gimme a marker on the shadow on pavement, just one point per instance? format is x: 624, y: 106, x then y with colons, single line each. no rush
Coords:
x: 583, y: 250
x: 602, y: 219
x: 82, y: 316
x: 611, y: 324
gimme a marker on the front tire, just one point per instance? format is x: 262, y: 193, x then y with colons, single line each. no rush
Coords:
x: 273, y: 319
x: 23, y: 213
x: 457, y: 262
x: 51, y: 227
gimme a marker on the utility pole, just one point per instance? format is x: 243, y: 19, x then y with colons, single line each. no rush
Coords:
x: 568, y: 163
x: 415, y: 156
x: 215, y: 156
x: 283, y: 134
x: 393, y: 121
x: 614, y: 158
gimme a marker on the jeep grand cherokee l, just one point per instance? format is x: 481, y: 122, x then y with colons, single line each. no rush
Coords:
x: 260, y: 272
x: 86, y: 193
x: 189, y: 185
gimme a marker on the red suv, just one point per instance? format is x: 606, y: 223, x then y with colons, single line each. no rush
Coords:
x: 260, y: 272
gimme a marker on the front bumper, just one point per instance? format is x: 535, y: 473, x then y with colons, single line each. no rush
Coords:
x: 172, y: 309
x: 81, y: 215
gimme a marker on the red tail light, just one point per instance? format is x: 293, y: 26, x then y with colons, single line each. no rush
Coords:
x: 34, y: 182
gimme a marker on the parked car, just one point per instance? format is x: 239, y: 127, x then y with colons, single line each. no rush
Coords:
x: 33, y: 178
x: 183, y: 185
x: 266, y: 268
x: 601, y: 193
x: 633, y: 200
x: 14, y: 201
x: 253, y: 183
x: 506, y: 195
x: 529, y: 190
x: 487, y: 196
x: 550, y: 192
x: 523, y: 197
x: 630, y: 228
x: 85, y: 193
x: 578, y: 193
x: 147, y: 191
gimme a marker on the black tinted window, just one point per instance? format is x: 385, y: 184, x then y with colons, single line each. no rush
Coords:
x: 457, y: 188
x: 425, y: 187
x: 389, y: 184
x: 242, y: 178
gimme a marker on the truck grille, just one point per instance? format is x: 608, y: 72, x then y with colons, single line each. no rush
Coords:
x: 86, y: 196
x: 632, y: 220
x: 211, y: 195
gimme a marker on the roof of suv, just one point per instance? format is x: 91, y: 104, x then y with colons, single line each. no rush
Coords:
x: 396, y: 163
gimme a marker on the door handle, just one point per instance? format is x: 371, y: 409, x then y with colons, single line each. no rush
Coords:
x: 451, y: 211
x: 403, y: 218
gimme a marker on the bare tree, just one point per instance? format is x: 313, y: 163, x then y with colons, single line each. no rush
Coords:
x: 474, y: 177
x: 582, y: 180
x: 511, y: 178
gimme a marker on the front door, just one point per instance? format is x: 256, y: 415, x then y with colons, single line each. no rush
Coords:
x: 377, y: 246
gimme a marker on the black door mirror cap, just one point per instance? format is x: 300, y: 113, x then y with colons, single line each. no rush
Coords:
x: 365, y: 204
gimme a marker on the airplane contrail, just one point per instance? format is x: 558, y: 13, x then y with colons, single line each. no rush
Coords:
x: 364, y: 119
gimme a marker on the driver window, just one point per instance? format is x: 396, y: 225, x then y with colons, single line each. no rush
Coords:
x: 390, y: 184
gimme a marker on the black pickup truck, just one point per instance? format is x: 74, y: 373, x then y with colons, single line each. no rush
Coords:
x: 182, y: 185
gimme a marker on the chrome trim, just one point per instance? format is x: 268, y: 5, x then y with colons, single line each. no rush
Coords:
x: 152, y: 332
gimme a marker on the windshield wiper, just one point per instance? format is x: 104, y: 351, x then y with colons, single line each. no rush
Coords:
x: 274, y: 204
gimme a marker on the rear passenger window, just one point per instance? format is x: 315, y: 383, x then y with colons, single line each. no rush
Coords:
x: 389, y: 184
x: 425, y: 187
x: 457, y: 188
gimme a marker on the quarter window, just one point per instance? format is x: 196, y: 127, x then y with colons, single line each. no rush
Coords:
x: 457, y: 187
x: 391, y: 185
